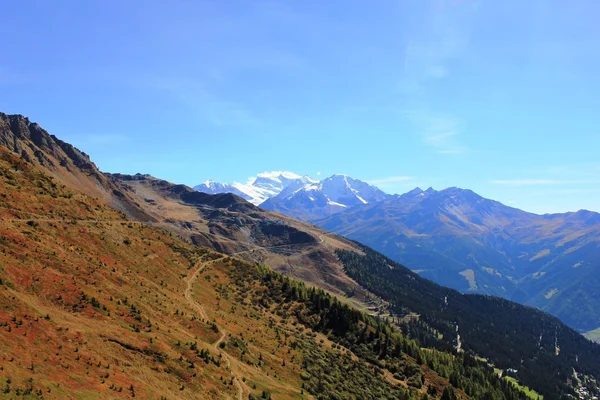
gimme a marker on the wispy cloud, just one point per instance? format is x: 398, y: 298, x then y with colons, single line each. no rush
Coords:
x: 541, y: 182
x: 439, y: 132
x: 455, y: 150
x: 444, y: 140
x: 439, y: 139
x: 560, y: 192
x: 567, y: 172
x: 525, y: 182
x: 442, y: 36
x: 195, y: 92
x: 431, y: 49
x: 195, y: 95
x: 390, y: 180
x: 425, y: 62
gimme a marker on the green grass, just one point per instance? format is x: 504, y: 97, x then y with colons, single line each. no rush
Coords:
x: 593, y: 335
x: 532, y: 394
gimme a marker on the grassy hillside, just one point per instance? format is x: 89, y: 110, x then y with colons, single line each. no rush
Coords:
x: 225, y: 223
x: 229, y: 224
x: 94, y: 305
x: 89, y: 299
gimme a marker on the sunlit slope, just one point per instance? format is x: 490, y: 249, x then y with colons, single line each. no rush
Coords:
x: 231, y: 225
x: 63, y: 161
x: 93, y: 305
x: 89, y: 299
x: 225, y: 223
x: 165, y: 306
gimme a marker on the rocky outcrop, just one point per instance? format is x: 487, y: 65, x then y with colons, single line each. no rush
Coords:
x: 33, y: 143
x: 66, y: 163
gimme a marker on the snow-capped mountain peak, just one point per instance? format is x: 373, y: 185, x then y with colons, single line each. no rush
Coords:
x: 300, y: 196
x: 214, y: 185
x: 318, y: 199
x: 298, y: 184
x: 258, y: 188
x: 272, y: 183
x: 346, y: 190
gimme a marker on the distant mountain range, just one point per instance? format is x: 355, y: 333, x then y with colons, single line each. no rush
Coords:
x: 258, y: 188
x: 298, y: 196
x: 462, y: 240
x: 327, y: 197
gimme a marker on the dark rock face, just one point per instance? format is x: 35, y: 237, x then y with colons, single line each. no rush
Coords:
x: 124, y: 177
x: 66, y: 163
x: 23, y: 137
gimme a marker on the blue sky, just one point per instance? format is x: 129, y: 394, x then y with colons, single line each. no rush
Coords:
x: 502, y: 97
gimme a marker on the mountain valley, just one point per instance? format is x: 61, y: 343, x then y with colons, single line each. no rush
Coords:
x: 119, y: 286
x: 459, y: 239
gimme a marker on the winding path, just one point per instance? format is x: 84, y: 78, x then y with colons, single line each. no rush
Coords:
x: 188, y: 296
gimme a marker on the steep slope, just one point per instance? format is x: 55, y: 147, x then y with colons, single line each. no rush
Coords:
x: 64, y: 162
x: 237, y: 296
x: 89, y: 299
x: 329, y: 196
x: 94, y: 305
x: 484, y: 325
x: 460, y: 239
x: 257, y: 189
x: 231, y: 225
x: 223, y: 222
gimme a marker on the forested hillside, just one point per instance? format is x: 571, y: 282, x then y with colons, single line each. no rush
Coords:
x: 544, y: 352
